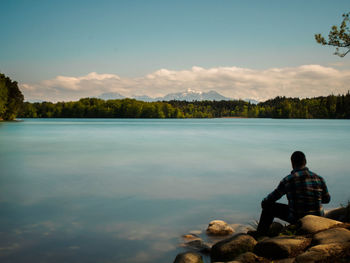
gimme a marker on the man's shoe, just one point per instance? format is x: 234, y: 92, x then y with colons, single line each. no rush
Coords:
x: 256, y: 234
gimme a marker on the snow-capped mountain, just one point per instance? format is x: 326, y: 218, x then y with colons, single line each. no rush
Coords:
x: 189, y: 95
x: 192, y: 95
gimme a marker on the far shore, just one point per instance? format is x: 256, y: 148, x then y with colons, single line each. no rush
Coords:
x: 233, y: 118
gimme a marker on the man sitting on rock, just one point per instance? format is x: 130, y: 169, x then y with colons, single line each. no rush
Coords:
x: 305, y: 192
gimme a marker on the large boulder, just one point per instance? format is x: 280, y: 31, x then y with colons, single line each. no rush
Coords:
x: 188, y: 257
x: 281, y: 246
x: 333, y: 235
x: 335, y: 252
x: 340, y: 214
x: 311, y: 224
x: 230, y: 248
x: 219, y: 228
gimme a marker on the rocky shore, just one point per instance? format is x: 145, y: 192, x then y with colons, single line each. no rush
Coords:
x: 312, y: 239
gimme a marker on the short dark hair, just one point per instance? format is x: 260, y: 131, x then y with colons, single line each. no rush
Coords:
x: 298, y: 159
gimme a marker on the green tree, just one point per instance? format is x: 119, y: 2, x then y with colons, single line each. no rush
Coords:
x: 28, y: 110
x: 338, y: 37
x: 3, y: 96
x: 11, y: 98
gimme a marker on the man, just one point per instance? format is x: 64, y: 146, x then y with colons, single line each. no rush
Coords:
x: 305, y: 192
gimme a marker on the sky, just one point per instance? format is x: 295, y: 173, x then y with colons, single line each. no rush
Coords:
x: 257, y: 49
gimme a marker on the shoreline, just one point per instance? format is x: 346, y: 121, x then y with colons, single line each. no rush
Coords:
x: 323, y: 237
x: 236, y: 118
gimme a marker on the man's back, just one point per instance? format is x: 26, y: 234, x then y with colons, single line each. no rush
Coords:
x: 305, y: 192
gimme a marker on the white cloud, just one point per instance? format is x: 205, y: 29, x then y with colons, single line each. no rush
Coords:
x: 234, y: 82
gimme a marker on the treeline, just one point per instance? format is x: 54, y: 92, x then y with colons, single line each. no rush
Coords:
x: 98, y: 108
x: 330, y: 107
x: 11, y: 98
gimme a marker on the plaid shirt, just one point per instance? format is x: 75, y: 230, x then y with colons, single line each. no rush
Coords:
x: 305, y: 192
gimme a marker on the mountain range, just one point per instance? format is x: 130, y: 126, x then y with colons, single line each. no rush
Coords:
x: 189, y: 95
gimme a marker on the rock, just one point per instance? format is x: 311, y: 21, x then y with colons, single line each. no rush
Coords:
x: 311, y: 224
x: 275, y: 229
x: 341, y: 214
x: 188, y: 257
x: 285, y: 260
x: 230, y: 248
x: 219, y: 228
x: 281, y: 246
x: 333, y: 235
x: 190, y: 237
x: 256, y: 235
x: 250, y: 257
x: 199, y: 245
x: 195, y: 232
x: 240, y: 228
x: 335, y: 252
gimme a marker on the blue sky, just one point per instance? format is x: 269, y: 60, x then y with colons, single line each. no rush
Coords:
x: 45, y: 39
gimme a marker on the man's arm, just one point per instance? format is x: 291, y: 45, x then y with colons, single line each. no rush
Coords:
x: 274, y: 195
x: 326, y: 198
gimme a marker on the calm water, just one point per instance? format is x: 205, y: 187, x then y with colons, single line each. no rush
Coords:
x: 126, y: 190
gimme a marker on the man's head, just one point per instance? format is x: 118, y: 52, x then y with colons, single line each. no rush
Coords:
x: 298, y: 160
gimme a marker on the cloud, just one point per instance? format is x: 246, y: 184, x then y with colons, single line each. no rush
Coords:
x: 233, y: 82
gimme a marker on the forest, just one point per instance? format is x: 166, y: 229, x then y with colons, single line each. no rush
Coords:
x: 11, y: 98
x: 329, y: 107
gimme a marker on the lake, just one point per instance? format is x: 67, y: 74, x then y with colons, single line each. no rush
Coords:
x: 125, y: 190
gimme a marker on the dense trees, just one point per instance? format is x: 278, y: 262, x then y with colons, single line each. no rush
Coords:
x: 338, y: 37
x: 98, y: 108
x: 11, y: 98
x: 330, y: 107
x: 279, y: 107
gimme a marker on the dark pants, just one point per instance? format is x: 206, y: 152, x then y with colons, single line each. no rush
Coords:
x: 271, y: 211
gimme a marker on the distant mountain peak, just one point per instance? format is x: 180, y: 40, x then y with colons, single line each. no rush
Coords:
x: 188, y: 95
x: 192, y: 91
x: 192, y: 95
x: 111, y: 96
